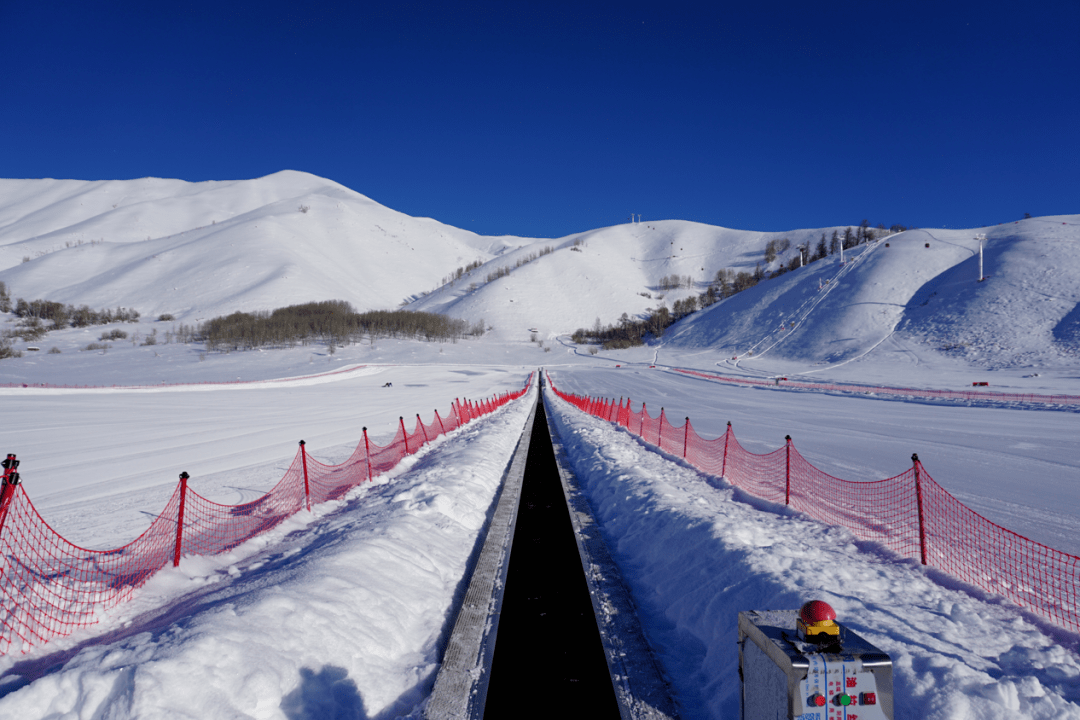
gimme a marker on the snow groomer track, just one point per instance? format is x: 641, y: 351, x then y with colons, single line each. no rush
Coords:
x: 546, y: 621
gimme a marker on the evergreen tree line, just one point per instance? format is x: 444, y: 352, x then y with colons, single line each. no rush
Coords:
x: 334, y: 322
x: 827, y: 245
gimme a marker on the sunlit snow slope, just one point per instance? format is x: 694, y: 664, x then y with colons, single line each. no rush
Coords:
x: 601, y: 274
x: 196, y: 250
x: 910, y: 298
x: 199, y: 250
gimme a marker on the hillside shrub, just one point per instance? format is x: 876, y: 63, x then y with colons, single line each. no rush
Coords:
x: 6, y: 351
x: 329, y: 322
x: 62, y: 315
x: 29, y: 329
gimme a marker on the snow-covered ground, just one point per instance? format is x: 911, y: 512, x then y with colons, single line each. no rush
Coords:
x: 349, y: 606
x: 342, y: 612
x: 695, y: 555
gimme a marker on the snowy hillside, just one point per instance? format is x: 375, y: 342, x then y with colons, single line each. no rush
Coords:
x: 908, y: 299
x: 197, y: 250
x: 604, y: 273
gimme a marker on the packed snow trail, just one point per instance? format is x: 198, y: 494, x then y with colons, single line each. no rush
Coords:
x: 695, y: 552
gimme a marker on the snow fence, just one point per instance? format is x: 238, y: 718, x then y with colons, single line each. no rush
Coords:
x: 910, y: 514
x: 970, y: 395
x: 50, y: 587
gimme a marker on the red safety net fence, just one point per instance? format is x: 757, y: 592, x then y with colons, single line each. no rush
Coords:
x: 969, y: 395
x: 910, y: 514
x: 50, y: 587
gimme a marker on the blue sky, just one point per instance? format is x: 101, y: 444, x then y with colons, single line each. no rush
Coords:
x: 542, y: 119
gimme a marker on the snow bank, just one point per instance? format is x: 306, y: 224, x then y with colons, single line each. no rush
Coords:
x: 695, y: 553
x: 342, y: 612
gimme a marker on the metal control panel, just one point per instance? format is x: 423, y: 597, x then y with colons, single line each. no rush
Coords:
x: 784, y: 676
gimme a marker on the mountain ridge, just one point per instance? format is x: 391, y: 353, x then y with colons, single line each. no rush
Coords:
x: 200, y: 250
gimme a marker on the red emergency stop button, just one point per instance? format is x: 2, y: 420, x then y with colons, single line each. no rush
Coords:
x: 817, y: 699
x: 868, y: 698
x: 816, y: 611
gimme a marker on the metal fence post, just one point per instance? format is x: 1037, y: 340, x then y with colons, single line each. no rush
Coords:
x: 404, y: 434
x: 686, y: 437
x: 919, y: 502
x: 367, y: 453
x: 10, y: 482
x: 180, y: 519
x: 307, y: 489
x: 727, y: 436
x: 787, y: 472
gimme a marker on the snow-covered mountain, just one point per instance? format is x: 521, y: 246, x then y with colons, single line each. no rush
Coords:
x: 199, y: 250
x: 912, y: 297
x: 603, y: 273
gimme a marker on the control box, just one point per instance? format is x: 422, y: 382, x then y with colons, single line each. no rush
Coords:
x: 839, y: 677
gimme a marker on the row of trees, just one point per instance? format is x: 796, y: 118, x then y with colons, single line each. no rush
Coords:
x: 334, y: 322
x: 62, y: 315
x: 674, y: 282
x: 457, y: 274
x: 524, y: 260
x: 827, y: 245
x: 38, y: 317
x: 498, y: 272
x: 628, y: 332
